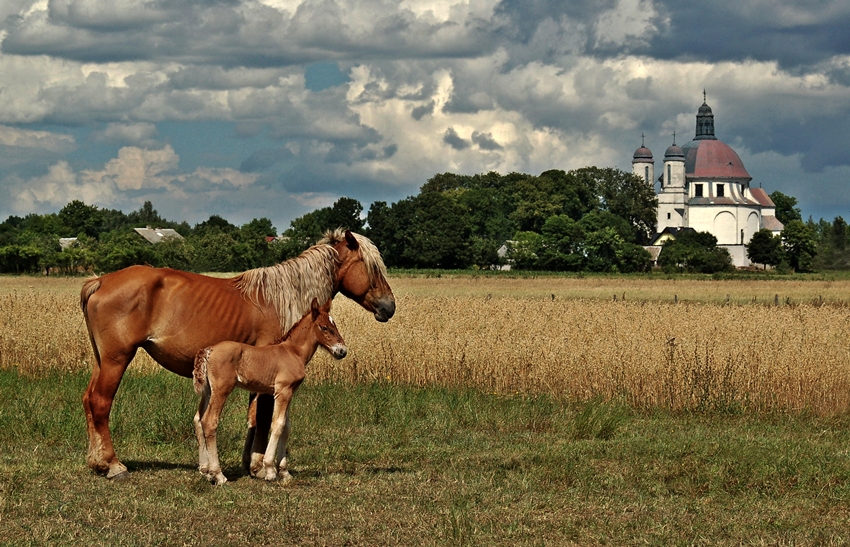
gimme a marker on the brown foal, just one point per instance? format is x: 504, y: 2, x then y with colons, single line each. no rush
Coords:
x: 276, y: 369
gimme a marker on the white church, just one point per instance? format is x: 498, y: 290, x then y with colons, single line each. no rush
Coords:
x: 705, y: 187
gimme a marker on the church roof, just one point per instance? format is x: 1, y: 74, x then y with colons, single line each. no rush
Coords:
x: 771, y: 223
x: 674, y: 151
x: 642, y: 155
x: 713, y: 159
x: 761, y: 196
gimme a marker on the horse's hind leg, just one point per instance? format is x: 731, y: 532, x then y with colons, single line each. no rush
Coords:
x: 97, y: 403
x: 264, y: 408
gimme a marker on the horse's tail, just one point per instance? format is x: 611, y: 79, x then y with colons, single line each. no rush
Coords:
x: 199, y: 374
x: 89, y: 288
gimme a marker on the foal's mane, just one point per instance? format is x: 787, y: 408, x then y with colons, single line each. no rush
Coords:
x: 368, y: 251
x: 289, y: 287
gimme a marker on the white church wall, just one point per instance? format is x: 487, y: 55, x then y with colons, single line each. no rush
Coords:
x: 725, y: 228
x: 753, y: 223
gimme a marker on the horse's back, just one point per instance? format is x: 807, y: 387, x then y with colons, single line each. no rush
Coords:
x: 172, y: 314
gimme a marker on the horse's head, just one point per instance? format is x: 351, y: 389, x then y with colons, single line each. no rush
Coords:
x: 325, y: 330
x: 361, y: 275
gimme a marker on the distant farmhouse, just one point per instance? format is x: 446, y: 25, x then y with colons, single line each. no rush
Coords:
x: 155, y: 235
x: 705, y: 187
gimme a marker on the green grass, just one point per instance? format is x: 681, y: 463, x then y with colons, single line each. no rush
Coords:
x: 379, y: 464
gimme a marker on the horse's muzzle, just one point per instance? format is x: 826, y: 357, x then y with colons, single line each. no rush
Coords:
x: 385, y: 309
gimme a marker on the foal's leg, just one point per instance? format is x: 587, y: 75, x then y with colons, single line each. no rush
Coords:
x: 209, y: 423
x: 281, y: 409
x: 203, y: 454
x: 263, y: 418
x: 282, y: 459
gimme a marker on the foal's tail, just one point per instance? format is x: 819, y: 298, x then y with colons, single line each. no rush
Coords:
x: 199, y: 374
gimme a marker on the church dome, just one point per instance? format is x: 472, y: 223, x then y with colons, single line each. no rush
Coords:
x: 704, y: 110
x: 642, y: 155
x: 674, y: 152
x: 713, y: 159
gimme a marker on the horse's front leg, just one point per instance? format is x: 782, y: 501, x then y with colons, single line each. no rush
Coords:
x: 281, y: 410
x: 97, y: 404
x: 264, y: 407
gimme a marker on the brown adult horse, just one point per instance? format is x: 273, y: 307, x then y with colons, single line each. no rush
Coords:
x: 173, y: 314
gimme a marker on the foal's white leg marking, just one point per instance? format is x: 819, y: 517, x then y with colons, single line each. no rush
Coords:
x: 281, y: 409
x: 282, y: 459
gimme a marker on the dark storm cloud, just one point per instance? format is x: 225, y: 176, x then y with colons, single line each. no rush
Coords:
x: 485, y: 141
x: 264, y: 159
x: 522, y: 18
x: 234, y: 33
x: 795, y: 34
x: 454, y: 140
x: 421, y: 111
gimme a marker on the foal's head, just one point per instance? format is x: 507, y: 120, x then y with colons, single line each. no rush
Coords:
x: 325, y: 330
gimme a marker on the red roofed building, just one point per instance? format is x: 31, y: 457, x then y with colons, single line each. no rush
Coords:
x: 705, y: 186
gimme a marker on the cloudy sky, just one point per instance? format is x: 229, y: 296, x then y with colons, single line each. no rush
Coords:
x: 272, y: 108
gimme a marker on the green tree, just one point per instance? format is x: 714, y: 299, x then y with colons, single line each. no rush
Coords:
x: 786, y: 209
x: 561, y: 245
x: 79, y: 218
x: 438, y: 235
x: 118, y: 250
x: 19, y: 259
x: 693, y: 251
x: 146, y: 216
x: 256, y: 250
x: 215, y: 223
x: 800, y: 245
x: 213, y: 250
x: 765, y: 248
x: 628, y: 197
x: 306, y: 230
x: 524, y: 250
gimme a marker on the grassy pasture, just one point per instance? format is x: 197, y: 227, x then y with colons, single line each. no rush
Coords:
x: 492, y: 410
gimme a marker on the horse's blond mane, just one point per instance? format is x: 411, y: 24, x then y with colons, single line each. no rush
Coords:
x: 289, y: 287
x: 371, y: 255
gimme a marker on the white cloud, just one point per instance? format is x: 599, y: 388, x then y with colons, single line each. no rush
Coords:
x: 25, y: 138
x: 526, y: 86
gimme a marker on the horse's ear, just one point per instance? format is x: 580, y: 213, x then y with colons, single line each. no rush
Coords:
x: 327, y: 306
x: 314, y: 308
x: 351, y: 241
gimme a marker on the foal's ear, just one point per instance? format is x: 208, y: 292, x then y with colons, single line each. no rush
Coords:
x: 351, y: 241
x: 314, y: 308
x: 327, y: 306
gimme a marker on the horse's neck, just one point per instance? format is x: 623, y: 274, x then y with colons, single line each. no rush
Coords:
x: 302, y: 342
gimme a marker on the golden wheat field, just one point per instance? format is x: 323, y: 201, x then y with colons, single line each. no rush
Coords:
x: 661, y: 343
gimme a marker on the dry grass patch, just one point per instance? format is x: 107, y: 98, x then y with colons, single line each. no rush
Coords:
x: 542, y: 335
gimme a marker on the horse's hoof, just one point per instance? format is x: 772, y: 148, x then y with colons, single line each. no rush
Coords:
x: 119, y: 476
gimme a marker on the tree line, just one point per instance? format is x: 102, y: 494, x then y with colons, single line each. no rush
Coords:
x: 590, y: 219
